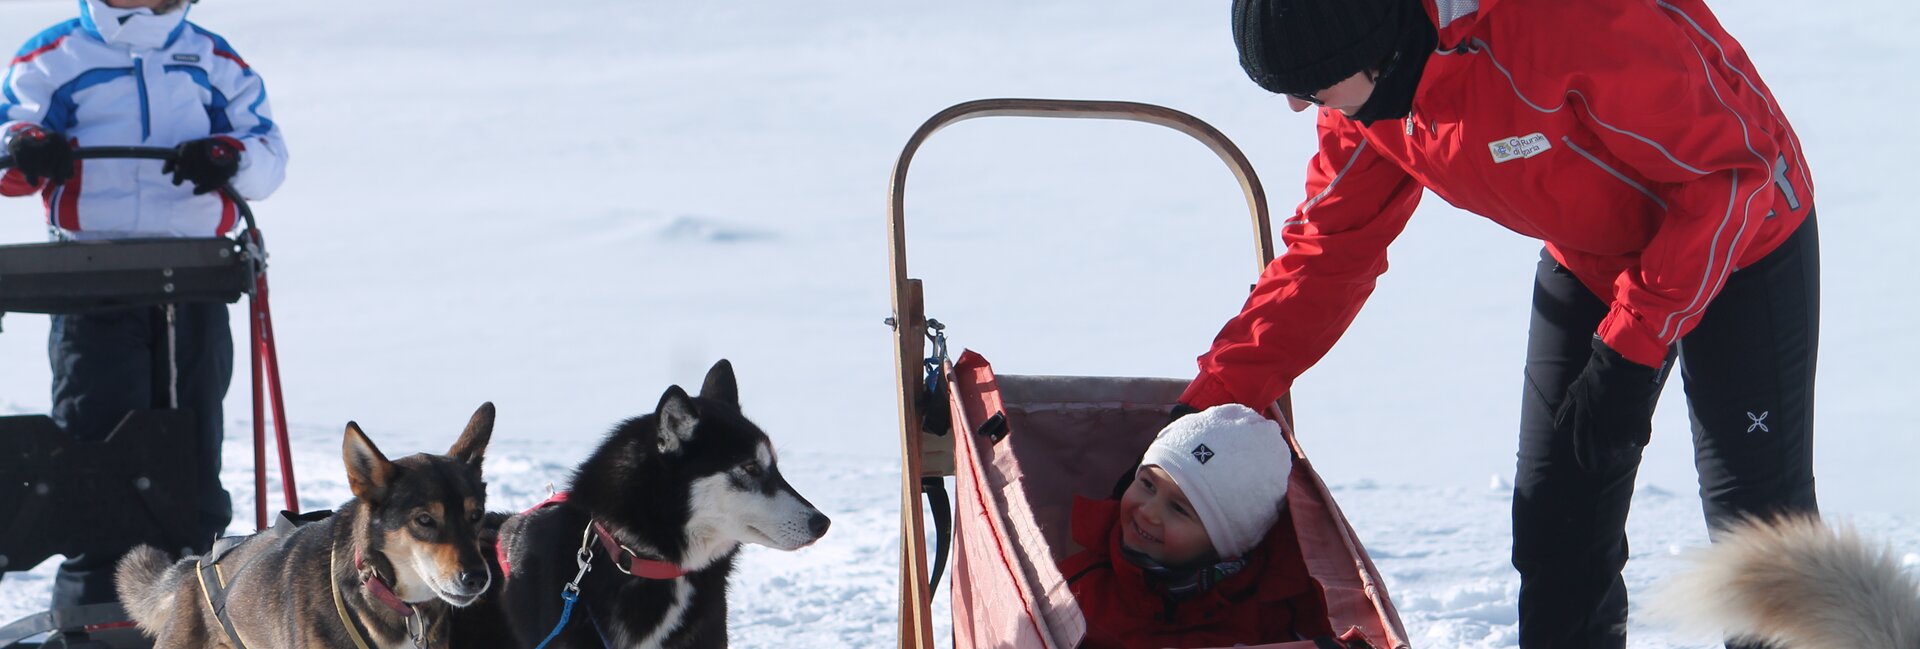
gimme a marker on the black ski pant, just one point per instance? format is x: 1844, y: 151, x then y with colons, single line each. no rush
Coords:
x: 106, y: 364
x: 1748, y: 372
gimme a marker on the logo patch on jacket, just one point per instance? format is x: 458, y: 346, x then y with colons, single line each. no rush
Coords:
x: 1519, y: 147
x: 187, y: 58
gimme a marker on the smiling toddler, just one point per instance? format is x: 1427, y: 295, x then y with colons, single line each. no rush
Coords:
x: 1190, y: 555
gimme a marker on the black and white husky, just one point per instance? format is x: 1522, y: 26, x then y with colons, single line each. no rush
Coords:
x: 658, y: 511
x: 1795, y: 583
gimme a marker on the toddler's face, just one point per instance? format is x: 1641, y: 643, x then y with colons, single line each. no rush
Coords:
x: 1157, y: 520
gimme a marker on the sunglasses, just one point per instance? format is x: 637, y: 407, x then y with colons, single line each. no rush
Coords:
x: 1385, y: 68
x: 1307, y: 97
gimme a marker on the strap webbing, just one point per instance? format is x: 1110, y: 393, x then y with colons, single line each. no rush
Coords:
x: 936, y: 490
x: 213, y: 587
x: 339, y: 605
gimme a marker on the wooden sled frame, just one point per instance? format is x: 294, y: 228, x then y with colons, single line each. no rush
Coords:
x: 924, y: 455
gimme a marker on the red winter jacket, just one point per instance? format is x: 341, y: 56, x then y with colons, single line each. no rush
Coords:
x: 1633, y: 137
x: 1271, y: 600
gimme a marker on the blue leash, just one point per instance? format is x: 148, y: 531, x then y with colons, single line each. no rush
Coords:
x: 570, y: 593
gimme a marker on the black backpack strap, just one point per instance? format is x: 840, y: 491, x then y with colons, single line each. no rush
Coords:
x: 936, y: 490
x: 1327, y: 642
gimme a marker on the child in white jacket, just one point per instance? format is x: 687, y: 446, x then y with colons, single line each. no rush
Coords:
x: 136, y: 73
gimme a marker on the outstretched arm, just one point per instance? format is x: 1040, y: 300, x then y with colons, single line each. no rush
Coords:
x: 1336, y: 245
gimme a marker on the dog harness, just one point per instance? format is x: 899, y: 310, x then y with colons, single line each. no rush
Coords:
x: 214, y: 579
x: 634, y: 564
x: 213, y: 587
x: 583, y: 559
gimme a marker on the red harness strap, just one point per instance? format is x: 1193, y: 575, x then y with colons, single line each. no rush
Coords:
x: 635, y: 565
x: 500, y: 540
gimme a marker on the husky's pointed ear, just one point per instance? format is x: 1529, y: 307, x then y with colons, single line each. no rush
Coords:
x: 720, y: 385
x: 368, y: 471
x: 471, y: 448
x: 674, y: 420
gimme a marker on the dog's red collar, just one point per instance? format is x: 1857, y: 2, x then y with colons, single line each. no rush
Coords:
x: 381, y: 591
x: 634, y: 564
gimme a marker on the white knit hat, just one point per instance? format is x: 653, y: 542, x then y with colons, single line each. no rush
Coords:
x: 1233, y: 465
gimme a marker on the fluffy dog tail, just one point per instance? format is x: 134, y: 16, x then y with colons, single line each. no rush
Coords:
x: 1798, y: 584
x: 147, y: 585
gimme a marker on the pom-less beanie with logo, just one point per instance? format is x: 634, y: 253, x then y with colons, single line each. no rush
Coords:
x: 1233, y: 465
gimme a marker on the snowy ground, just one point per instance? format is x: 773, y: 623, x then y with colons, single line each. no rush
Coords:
x: 1442, y: 548
x: 564, y: 208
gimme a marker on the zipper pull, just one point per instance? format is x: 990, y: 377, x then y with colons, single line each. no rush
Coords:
x: 1409, y: 124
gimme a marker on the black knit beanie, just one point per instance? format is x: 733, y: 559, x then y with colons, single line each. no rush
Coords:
x: 1303, y: 46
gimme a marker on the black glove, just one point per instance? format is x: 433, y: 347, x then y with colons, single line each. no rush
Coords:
x: 1608, y: 411
x: 208, y: 163
x: 1180, y: 410
x: 38, y: 154
x: 1126, y: 479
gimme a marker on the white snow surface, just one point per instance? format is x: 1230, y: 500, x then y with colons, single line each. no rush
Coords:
x: 565, y: 207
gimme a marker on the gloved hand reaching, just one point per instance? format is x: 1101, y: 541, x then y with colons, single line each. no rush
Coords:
x: 39, y: 153
x: 1608, y: 411
x: 1126, y: 479
x: 1180, y: 410
x: 208, y: 163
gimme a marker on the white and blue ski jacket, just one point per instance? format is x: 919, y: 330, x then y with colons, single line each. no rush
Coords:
x: 127, y: 77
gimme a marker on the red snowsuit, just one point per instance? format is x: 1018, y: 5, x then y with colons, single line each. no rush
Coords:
x: 1271, y: 600
x: 1634, y: 138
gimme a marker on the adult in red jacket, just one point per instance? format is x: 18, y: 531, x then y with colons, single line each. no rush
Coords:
x: 1637, y: 141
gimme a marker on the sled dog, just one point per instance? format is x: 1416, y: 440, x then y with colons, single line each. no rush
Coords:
x: 382, y: 572
x: 1795, y: 583
x: 658, y: 512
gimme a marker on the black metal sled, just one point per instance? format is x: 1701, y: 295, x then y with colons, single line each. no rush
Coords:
x: 85, y: 276
x: 94, y: 626
x: 65, y: 496
x: 62, y: 495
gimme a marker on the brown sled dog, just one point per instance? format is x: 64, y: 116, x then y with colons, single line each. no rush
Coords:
x: 1795, y: 583
x: 382, y: 572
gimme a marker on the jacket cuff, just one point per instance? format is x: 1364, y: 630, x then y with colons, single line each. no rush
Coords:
x: 246, y: 161
x: 1206, y: 392
x: 7, y: 130
x: 1633, y: 340
x: 13, y: 183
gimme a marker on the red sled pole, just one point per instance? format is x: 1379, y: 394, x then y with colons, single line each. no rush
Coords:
x: 259, y: 407
x: 279, y: 402
x: 266, y: 386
